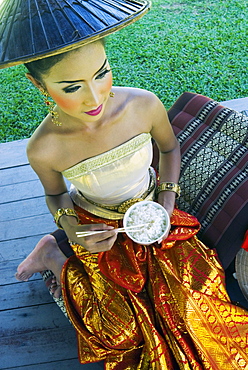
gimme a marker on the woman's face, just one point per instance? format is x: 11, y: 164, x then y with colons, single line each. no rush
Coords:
x: 80, y: 84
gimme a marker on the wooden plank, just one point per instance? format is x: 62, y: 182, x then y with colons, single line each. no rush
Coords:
x: 22, y: 190
x: 23, y: 209
x: 8, y: 270
x: 30, y: 319
x: 19, y: 248
x: 236, y: 104
x: 20, y: 174
x: 22, y: 228
x: 14, y: 175
x: 13, y: 153
x: 39, y: 346
x: 24, y: 294
x: 40, y: 332
x: 61, y: 365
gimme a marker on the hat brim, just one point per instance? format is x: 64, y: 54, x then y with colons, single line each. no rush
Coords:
x: 31, y: 30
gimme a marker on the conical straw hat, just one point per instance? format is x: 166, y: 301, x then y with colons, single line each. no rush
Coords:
x: 33, y: 29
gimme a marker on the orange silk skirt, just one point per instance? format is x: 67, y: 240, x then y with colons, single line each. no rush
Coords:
x: 156, y: 307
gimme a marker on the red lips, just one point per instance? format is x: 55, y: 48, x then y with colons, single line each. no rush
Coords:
x: 94, y: 112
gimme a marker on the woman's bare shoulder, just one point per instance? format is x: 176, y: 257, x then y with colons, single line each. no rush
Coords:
x: 41, y: 144
x: 142, y: 106
x: 135, y: 92
x: 139, y: 98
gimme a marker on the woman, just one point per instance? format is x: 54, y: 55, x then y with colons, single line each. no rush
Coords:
x: 86, y: 132
x: 157, y: 307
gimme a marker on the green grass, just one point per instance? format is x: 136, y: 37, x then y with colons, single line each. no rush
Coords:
x: 198, y: 46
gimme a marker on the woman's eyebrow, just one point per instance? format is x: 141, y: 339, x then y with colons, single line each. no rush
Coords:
x: 74, y: 81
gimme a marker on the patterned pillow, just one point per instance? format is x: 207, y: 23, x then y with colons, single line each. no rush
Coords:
x: 214, y: 184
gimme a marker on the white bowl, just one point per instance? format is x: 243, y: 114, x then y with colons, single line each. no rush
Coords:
x: 155, y: 218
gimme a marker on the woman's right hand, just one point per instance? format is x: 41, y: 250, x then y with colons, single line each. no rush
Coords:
x: 99, y: 242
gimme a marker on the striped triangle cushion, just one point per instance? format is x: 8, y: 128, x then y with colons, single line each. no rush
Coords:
x: 214, y: 183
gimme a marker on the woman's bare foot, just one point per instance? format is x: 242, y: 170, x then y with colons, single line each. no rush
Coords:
x: 45, y: 256
x: 34, y: 261
x: 53, y: 286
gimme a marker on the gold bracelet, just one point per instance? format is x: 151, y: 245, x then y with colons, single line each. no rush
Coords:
x: 64, y: 211
x: 169, y: 186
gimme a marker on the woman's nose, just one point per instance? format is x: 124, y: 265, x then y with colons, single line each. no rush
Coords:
x: 92, y: 97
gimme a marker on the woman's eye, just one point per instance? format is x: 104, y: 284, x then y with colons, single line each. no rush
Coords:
x: 71, y: 89
x: 103, y: 74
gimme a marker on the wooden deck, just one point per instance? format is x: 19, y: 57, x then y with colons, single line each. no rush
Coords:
x: 34, y: 334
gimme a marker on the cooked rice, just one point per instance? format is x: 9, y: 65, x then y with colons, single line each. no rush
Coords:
x: 153, y: 217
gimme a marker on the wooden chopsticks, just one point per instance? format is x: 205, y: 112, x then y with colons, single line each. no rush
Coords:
x: 83, y: 234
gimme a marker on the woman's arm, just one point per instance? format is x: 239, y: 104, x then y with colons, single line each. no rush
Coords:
x: 57, y: 197
x: 94, y: 243
x: 169, y: 152
x: 169, y: 169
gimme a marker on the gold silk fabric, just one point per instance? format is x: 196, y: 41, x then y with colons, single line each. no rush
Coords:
x: 156, y: 307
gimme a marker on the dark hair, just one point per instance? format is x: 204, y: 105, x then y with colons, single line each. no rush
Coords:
x: 39, y: 68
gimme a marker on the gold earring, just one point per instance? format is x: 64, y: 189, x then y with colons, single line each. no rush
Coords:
x: 111, y: 94
x: 50, y: 105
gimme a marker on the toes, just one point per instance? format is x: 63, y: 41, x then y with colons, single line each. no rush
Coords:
x: 52, y: 287
x: 17, y: 276
x: 57, y: 292
x: 22, y: 276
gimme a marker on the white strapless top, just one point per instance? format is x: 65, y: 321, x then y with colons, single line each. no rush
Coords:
x: 114, y: 176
